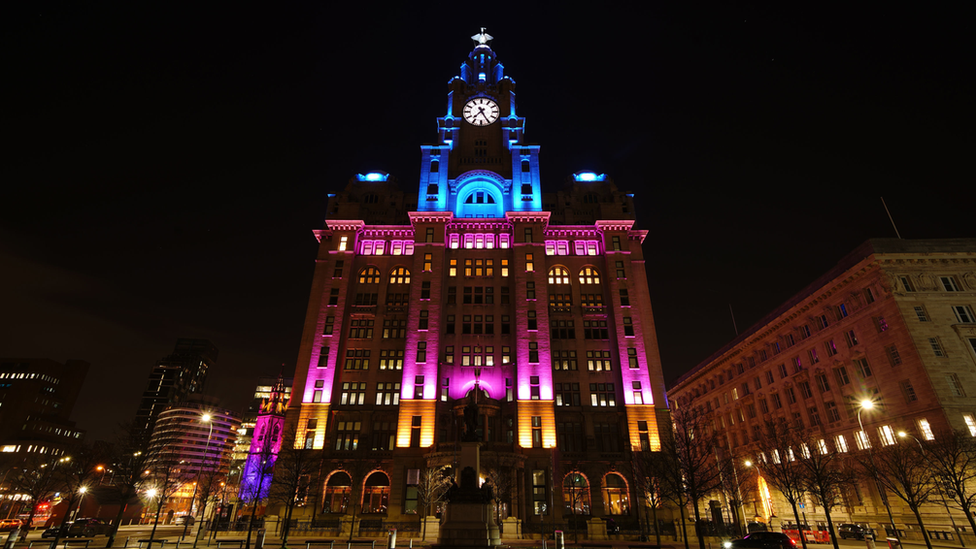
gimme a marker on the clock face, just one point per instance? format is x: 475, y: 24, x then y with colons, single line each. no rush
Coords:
x: 480, y: 111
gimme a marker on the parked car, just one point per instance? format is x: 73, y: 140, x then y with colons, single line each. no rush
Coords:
x: 763, y: 540
x: 612, y: 527
x: 53, y: 531
x: 87, y: 527
x: 7, y: 525
x: 851, y: 531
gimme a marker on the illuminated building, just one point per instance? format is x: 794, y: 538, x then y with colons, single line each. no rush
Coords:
x: 892, y: 323
x: 265, y: 443
x: 175, y: 377
x: 37, y: 397
x: 479, y: 283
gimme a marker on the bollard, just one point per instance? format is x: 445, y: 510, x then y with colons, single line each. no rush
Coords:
x: 560, y: 540
x: 12, y: 538
x: 869, y: 541
x: 259, y: 539
x: 126, y: 542
x: 391, y: 544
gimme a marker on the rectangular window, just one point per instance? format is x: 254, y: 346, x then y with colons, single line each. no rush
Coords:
x: 328, y: 326
x: 822, y: 322
x: 353, y: 394
x: 907, y: 284
x: 822, y: 383
x: 936, y: 346
x: 893, y: 357
x: 840, y: 443
x: 621, y: 273
x: 830, y: 347
x: 529, y: 290
x: 337, y: 272
x: 841, y: 310
x: 615, y: 240
x: 357, y: 359
x: 841, y: 374
x: 777, y: 401
x: 533, y: 352
x: 602, y: 394
x: 782, y: 371
x: 963, y: 314
x: 797, y: 364
x: 323, y: 357
x: 422, y: 325
x: 391, y: 359
x: 955, y: 386
x: 868, y: 295
x: 452, y: 267
x: 805, y: 389
x: 862, y: 440
x: 527, y: 235
x: 769, y: 378
x: 632, y: 358
x: 536, y: 431
x: 505, y: 269
x: 624, y: 298
x: 949, y: 283
x: 925, y: 429
x: 628, y: 327
x: 887, y: 435
x: 334, y: 296
x: 833, y: 413
x: 790, y: 395
x: 529, y: 263
x: 429, y: 237
x: 908, y: 391
x: 863, y: 370
x: 970, y: 424
x: 881, y: 324
x: 850, y: 338
x: 763, y: 407
x: 422, y: 351
x: 531, y: 321
x: 598, y: 361
x: 921, y: 313
x: 812, y: 353
x: 425, y: 290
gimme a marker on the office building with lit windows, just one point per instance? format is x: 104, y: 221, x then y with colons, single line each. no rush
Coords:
x: 892, y: 324
x: 475, y: 285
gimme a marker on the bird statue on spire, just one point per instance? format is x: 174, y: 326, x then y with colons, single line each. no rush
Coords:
x: 482, y: 38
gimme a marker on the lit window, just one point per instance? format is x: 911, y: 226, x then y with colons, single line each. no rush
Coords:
x: 589, y: 275
x: 369, y: 275
x: 454, y: 241
x: 503, y: 241
x: 343, y: 242
x: 925, y: 429
x: 558, y: 275
x: 970, y: 423
x: 841, y: 443
x: 887, y: 435
x: 862, y: 440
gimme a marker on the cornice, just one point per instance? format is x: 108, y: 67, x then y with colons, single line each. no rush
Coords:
x: 345, y: 224
x: 430, y: 217
x: 528, y: 217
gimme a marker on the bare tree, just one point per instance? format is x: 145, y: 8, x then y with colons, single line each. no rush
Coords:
x: 731, y: 485
x: 903, y: 470
x: 646, y: 473
x: 295, y: 471
x: 689, y: 467
x: 75, y: 473
x: 782, y: 452
x: 432, y: 489
x: 166, y: 477
x: 128, y: 459
x: 576, y: 496
x: 255, y: 482
x: 35, y: 476
x: 825, y: 474
x: 953, y: 454
x: 499, y: 475
x: 357, y: 470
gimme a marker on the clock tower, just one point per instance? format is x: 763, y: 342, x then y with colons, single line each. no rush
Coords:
x: 480, y: 166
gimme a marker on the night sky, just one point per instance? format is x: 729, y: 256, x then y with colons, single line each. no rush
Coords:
x: 164, y: 165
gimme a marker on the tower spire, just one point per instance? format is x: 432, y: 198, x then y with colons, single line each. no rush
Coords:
x: 482, y: 38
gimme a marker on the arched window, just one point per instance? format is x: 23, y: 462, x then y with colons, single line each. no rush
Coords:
x: 371, y: 198
x: 480, y: 197
x: 558, y: 275
x: 615, y: 495
x: 337, y: 492
x: 589, y: 275
x: 369, y: 275
x: 376, y: 493
x: 576, y: 494
x: 400, y: 275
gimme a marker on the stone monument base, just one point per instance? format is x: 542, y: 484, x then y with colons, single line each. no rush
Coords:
x: 468, y: 525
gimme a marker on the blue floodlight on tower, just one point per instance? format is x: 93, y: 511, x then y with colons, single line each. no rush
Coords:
x: 373, y: 176
x: 587, y: 177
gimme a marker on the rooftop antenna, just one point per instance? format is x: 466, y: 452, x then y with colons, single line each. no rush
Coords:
x: 734, y: 327
x: 890, y: 218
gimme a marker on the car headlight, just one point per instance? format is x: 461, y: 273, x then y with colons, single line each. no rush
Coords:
x: 727, y: 544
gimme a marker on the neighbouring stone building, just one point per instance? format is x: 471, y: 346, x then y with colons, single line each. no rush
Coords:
x: 892, y: 323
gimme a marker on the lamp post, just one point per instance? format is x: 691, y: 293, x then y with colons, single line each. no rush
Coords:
x: 868, y: 404
x: 83, y: 490
x: 938, y: 485
x: 186, y: 521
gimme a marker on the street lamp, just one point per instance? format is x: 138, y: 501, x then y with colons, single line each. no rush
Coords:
x: 206, y: 418
x: 868, y: 404
x: 83, y: 490
x: 938, y: 485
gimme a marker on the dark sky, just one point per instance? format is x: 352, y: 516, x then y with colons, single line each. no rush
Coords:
x: 164, y: 165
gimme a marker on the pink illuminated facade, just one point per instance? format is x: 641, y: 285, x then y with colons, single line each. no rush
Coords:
x: 479, y: 285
